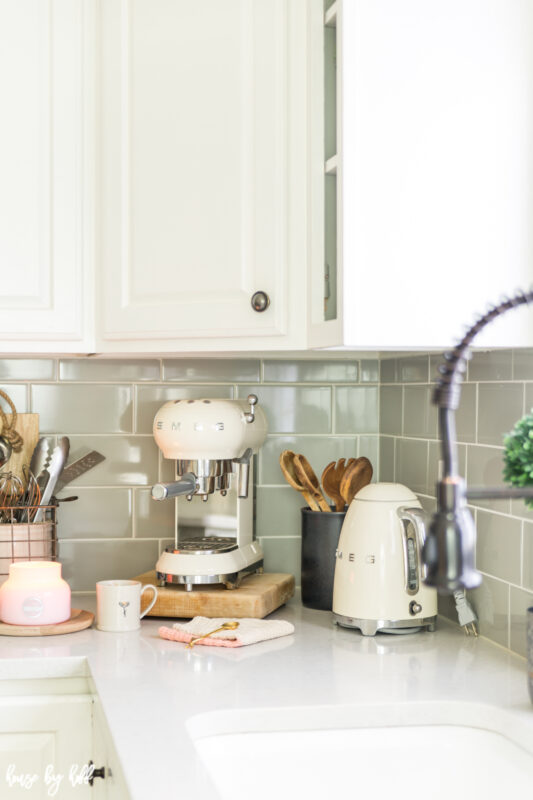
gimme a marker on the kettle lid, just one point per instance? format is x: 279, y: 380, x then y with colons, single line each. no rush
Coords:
x: 386, y: 493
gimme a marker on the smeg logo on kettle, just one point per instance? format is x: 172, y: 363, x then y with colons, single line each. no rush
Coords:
x: 369, y: 559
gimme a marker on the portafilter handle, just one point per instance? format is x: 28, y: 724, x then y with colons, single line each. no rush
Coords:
x: 184, y: 485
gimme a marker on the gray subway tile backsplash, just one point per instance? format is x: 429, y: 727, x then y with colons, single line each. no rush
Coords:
x: 96, y: 514
x: 109, y: 369
x: 307, y: 371
x: 390, y: 410
x: 278, y: 511
x: 72, y: 408
x: 523, y: 364
x: 129, y: 460
x: 500, y: 405
x: 324, y: 407
x: 152, y: 520
x: 497, y: 391
x: 414, y: 369
x: 356, y: 409
x: 527, y: 556
x: 283, y: 555
x: 293, y: 409
x: 369, y: 370
x: 85, y: 562
x: 521, y: 600
x: 369, y: 447
x: 485, y: 468
x: 491, y: 602
x: 419, y: 414
x: 466, y: 415
x: 492, y: 365
x: 212, y: 370
x: 27, y: 369
x: 388, y: 370
x: 386, y: 458
x: 499, y: 545
x: 18, y: 393
x: 411, y: 464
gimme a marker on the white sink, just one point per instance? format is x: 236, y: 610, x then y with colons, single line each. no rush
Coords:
x: 489, y: 758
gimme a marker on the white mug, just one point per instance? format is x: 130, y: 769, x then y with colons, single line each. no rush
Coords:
x: 118, y: 605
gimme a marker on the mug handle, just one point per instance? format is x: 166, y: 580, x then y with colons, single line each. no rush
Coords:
x: 152, y: 604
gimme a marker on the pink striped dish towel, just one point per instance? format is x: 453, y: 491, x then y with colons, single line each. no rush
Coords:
x: 249, y: 631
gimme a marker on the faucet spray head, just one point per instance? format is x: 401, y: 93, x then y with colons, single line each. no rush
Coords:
x: 449, y: 550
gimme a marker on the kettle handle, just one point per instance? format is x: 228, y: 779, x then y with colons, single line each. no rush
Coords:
x: 418, y: 570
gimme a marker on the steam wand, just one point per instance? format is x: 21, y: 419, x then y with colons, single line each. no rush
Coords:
x: 449, y: 550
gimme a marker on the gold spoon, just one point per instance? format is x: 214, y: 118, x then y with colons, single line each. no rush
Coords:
x: 286, y: 462
x: 227, y: 626
x: 307, y: 477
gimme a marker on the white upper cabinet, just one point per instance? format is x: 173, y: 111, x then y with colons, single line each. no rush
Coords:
x: 43, y: 251
x: 202, y: 198
x: 433, y: 184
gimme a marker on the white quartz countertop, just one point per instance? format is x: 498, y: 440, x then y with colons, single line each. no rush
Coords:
x: 157, y: 695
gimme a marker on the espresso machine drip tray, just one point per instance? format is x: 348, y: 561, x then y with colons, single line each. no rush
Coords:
x: 207, y: 545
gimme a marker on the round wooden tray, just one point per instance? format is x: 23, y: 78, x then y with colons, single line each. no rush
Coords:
x: 79, y: 620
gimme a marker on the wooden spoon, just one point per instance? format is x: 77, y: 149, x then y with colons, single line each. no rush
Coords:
x: 355, y: 478
x: 286, y: 462
x: 331, y: 481
x: 306, y: 475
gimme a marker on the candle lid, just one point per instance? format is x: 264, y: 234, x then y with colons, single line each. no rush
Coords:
x: 34, y: 571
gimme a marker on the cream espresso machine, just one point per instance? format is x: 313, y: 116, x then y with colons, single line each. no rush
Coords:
x: 212, y: 442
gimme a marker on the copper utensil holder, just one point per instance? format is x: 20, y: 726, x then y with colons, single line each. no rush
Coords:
x: 27, y: 541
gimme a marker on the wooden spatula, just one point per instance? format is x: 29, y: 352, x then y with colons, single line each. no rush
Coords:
x: 355, y: 478
x: 331, y: 480
x: 307, y: 477
x: 286, y: 462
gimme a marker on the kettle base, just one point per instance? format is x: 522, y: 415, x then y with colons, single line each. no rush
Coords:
x: 369, y: 627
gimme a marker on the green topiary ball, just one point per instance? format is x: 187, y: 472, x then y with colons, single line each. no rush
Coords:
x: 518, y: 456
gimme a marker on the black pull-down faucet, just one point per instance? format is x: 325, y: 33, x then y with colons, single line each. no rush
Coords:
x: 450, y: 547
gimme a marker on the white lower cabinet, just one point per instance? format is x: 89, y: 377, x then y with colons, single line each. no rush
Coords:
x: 46, y: 743
x: 113, y: 786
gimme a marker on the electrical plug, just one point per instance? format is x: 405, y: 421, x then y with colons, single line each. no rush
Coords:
x: 466, y: 614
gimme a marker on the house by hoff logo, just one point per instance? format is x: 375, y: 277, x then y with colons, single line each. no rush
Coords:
x: 368, y: 559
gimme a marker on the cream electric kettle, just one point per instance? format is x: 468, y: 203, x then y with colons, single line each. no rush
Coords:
x: 379, y: 574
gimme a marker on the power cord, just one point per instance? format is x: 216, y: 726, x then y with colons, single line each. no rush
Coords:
x: 466, y: 614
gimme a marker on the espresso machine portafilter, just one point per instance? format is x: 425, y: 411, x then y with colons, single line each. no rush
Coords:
x: 212, y: 442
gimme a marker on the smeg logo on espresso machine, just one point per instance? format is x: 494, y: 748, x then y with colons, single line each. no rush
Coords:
x: 198, y: 426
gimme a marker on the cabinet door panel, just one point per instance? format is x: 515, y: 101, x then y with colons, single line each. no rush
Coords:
x: 437, y: 169
x: 194, y: 185
x: 41, y: 244
x: 43, y: 738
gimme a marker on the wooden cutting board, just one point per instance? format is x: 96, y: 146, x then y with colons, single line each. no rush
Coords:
x: 79, y: 620
x: 257, y: 596
x: 28, y: 427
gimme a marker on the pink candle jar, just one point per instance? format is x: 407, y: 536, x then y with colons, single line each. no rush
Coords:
x: 34, y: 594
